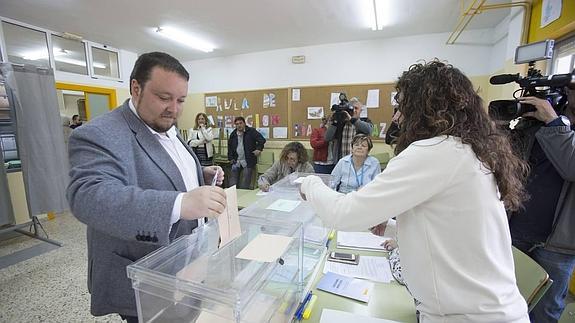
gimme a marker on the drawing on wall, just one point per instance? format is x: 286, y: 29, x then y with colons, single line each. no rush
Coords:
x: 314, y: 113
x: 266, y: 101
x: 211, y: 101
x: 309, y: 130
x: 211, y: 120
x: 250, y: 121
x: 229, y: 121
x: 265, y: 120
x: 245, y: 104
x: 280, y: 132
x: 220, y: 121
x: 296, y: 130
x: 265, y: 132
x: 275, y: 119
x: 393, y: 100
x: 382, y: 131
x: 228, y: 104
x: 272, y: 100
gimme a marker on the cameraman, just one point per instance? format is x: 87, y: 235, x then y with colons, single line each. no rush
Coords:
x: 351, y: 126
x: 544, y: 228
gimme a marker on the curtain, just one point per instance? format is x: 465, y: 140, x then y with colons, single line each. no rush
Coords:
x: 6, y: 213
x: 39, y: 136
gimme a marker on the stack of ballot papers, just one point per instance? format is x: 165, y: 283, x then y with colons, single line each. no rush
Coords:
x: 360, y: 241
x: 335, y: 316
x: 371, y: 268
x: 346, y: 286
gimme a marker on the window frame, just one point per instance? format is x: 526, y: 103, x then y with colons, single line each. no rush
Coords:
x: 90, y: 45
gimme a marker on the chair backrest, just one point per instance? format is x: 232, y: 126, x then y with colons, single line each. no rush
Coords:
x: 532, y: 280
x: 265, y: 161
x: 383, y: 159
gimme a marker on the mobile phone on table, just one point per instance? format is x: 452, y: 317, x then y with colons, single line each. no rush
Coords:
x: 346, y: 258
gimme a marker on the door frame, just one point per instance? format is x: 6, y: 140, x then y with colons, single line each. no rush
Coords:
x: 112, y: 101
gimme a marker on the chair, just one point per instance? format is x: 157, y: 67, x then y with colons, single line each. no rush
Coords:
x: 383, y: 159
x: 532, y: 280
x: 265, y: 161
x: 568, y: 315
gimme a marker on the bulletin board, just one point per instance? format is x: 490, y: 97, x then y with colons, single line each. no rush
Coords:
x: 319, y: 96
x: 263, y: 109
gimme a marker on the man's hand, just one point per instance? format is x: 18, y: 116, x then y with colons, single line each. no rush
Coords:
x: 347, y: 116
x: 257, y: 152
x: 210, y: 171
x: 204, y: 201
x: 544, y: 111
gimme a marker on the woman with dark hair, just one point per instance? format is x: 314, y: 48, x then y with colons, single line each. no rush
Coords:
x: 201, y: 137
x: 293, y: 159
x: 449, y: 185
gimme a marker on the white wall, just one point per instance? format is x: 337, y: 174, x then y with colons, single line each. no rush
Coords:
x: 372, y: 61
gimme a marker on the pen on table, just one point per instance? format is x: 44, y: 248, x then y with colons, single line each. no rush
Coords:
x: 299, y: 312
x: 309, y: 307
x: 329, y: 238
x: 215, y: 179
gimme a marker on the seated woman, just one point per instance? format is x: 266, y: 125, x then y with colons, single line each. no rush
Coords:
x: 453, y: 177
x: 293, y: 159
x: 355, y: 170
x: 201, y: 137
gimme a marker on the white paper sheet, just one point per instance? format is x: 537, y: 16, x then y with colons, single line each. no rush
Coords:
x: 295, y: 94
x: 265, y: 248
x: 370, y: 268
x: 372, y: 98
x: 335, y: 316
x: 360, y: 240
x: 283, y: 205
x: 229, y: 220
x: 334, y: 99
x: 550, y: 11
x: 280, y: 132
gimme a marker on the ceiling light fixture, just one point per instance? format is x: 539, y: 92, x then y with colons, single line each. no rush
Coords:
x: 380, y: 16
x: 185, y: 39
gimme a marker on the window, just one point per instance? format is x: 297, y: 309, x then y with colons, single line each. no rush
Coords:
x: 105, y: 62
x: 25, y: 45
x: 69, y: 55
x: 564, y: 56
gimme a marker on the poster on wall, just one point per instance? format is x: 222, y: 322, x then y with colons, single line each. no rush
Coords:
x: 211, y: 101
x: 295, y: 95
x: 265, y: 120
x: 265, y: 132
x: 280, y: 132
x: 272, y: 100
x: 245, y: 104
x: 250, y: 121
x: 382, y: 131
x: 393, y: 100
x: 275, y: 119
x: 372, y: 98
x: 550, y: 11
x: 266, y: 103
x: 314, y: 113
x: 229, y: 121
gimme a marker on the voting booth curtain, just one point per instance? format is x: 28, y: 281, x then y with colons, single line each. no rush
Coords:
x: 39, y: 135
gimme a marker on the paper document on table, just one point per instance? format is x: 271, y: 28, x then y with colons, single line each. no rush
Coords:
x: 261, y: 193
x: 229, y: 220
x: 283, y: 205
x: 360, y: 240
x: 335, y: 316
x: 265, y: 248
x: 371, y: 268
x: 346, y: 286
x: 299, y: 180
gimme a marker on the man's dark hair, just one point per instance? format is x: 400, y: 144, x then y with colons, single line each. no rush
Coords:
x: 74, y: 117
x: 146, y: 62
x: 240, y: 119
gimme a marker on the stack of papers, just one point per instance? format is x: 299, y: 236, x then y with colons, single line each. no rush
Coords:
x: 283, y: 205
x: 360, y: 241
x: 334, y: 316
x: 346, y: 286
x: 371, y: 268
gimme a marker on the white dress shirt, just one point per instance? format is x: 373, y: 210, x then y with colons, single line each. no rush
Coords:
x: 182, y: 158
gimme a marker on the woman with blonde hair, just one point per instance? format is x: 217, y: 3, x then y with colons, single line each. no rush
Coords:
x: 201, y: 137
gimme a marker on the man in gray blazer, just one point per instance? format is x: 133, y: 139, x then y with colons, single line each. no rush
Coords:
x: 135, y: 183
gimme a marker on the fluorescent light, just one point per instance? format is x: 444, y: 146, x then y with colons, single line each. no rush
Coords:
x: 380, y: 14
x: 185, y: 39
x: 60, y: 56
x: 78, y: 62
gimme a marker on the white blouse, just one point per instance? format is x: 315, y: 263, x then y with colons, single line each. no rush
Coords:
x: 452, y: 230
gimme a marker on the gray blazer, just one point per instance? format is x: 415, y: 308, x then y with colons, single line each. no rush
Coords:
x: 123, y: 187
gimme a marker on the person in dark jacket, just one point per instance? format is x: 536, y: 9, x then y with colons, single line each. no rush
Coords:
x: 544, y: 228
x: 244, y: 146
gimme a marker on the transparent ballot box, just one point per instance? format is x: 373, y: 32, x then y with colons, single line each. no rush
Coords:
x: 292, y: 182
x: 192, y: 280
x: 284, y: 205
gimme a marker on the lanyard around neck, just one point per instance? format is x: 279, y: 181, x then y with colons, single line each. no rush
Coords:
x: 357, y: 176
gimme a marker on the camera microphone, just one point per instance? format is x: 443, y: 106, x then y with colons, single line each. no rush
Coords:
x: 504, y: 78
x: 551, y: 80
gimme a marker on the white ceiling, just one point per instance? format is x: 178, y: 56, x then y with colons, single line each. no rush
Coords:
x: 235, y: 26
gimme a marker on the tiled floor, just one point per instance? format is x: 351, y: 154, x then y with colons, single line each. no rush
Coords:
x: 52, y: 286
